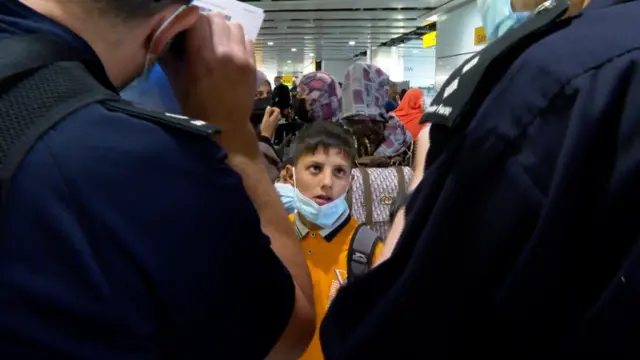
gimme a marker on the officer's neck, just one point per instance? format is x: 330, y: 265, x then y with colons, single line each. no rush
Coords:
x: 121, y: 59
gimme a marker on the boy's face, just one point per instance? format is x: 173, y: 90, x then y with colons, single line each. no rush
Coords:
x: 323, y: 176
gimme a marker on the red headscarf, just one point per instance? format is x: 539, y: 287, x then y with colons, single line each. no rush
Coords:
x: 410, y: 111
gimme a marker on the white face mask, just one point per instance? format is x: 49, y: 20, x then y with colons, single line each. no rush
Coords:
x: 150, y: 59
x: 498, y: 17
x: 287, y: 197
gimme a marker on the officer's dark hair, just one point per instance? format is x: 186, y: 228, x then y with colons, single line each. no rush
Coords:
x: 324, y: 135
x: 136, y: 9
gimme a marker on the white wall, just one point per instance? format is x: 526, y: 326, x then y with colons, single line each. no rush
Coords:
x: 389, y: 60
x: 455, y: 39
x: 270, y: 72
x: 337, y: 68
x: 310, y: 67
x: 419, y: 67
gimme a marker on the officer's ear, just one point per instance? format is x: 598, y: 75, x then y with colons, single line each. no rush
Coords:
x: 171, y: 23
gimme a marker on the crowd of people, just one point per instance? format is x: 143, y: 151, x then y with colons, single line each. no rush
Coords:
x: 162, y: 200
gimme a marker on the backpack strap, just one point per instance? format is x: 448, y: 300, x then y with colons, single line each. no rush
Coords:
x: 31, y: 52
x: 402, y: 181
x: 368, y: 196
x: 361, y: 251
x: 36, y: 94
x: 38, y: 102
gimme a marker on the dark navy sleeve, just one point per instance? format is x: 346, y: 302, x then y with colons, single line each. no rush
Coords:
x: 526, y: 246
x: 125, y: 240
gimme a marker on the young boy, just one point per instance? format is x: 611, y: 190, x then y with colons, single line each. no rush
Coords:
x: 335, y: 244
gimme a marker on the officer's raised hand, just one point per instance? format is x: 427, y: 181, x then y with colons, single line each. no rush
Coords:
x: 215, y: 80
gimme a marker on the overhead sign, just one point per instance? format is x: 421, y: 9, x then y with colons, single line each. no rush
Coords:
x: 479, y: 36
x: 429, y: 40
x: 287, y: 79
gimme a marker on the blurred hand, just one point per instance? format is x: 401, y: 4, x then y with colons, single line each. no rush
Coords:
x: 216, y: 80
x: 422, y: 144
x: 270, y: 122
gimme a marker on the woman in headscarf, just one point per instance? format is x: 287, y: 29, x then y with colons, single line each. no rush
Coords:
x: 320, y: 98
x: 410, y: 111
x: 263, y: 90
x: 260, y: 78
x: 365, y: 92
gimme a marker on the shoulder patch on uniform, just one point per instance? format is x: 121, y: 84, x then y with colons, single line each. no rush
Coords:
x: 181, y: 122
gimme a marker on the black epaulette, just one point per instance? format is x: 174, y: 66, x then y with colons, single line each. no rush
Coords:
x: 197, y: 127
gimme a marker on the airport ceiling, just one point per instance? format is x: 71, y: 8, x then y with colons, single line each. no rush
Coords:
x: 298, y: 31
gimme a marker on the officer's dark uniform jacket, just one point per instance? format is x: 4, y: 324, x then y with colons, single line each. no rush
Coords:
x: 126, y: 238
x: 528, y: 248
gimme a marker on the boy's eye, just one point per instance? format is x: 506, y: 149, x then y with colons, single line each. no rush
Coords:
x: 340, y: 172
x: 315, y: 169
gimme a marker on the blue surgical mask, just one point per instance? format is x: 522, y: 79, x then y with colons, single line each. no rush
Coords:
x: 287, y: 197
x: 324, y: 216
x: 153, y: 94
x: 498, y: 17
x: 152, y: 89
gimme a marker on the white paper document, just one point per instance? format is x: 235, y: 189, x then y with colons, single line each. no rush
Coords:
x: 249, y: 16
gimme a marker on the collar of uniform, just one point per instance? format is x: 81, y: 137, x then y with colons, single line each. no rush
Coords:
x: 17, y: 18
x: 329, y: 233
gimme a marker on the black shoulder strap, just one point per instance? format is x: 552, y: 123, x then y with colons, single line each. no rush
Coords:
x: 35, y: 104
x: 41, y: 84
x: 361, y: 251
x: 467, y: 87
x: 22, y: 54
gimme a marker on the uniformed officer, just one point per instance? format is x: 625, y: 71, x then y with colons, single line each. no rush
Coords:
x: 134, y: 235
x: 521, y: 241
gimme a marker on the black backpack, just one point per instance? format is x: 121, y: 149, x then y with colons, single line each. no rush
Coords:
x: 42, y: 80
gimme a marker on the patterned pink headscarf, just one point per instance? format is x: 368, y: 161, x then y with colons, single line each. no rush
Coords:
x: 323, y: 95
x: 366, y: 90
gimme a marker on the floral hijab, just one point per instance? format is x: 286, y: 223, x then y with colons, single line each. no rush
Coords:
x: 323, y: 95
x: 365, y: 92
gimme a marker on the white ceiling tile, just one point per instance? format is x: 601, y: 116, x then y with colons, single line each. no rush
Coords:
x: 324, y: 28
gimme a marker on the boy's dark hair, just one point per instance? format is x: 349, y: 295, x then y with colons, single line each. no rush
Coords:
x: 325, y: 135
x: 136, y: 9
